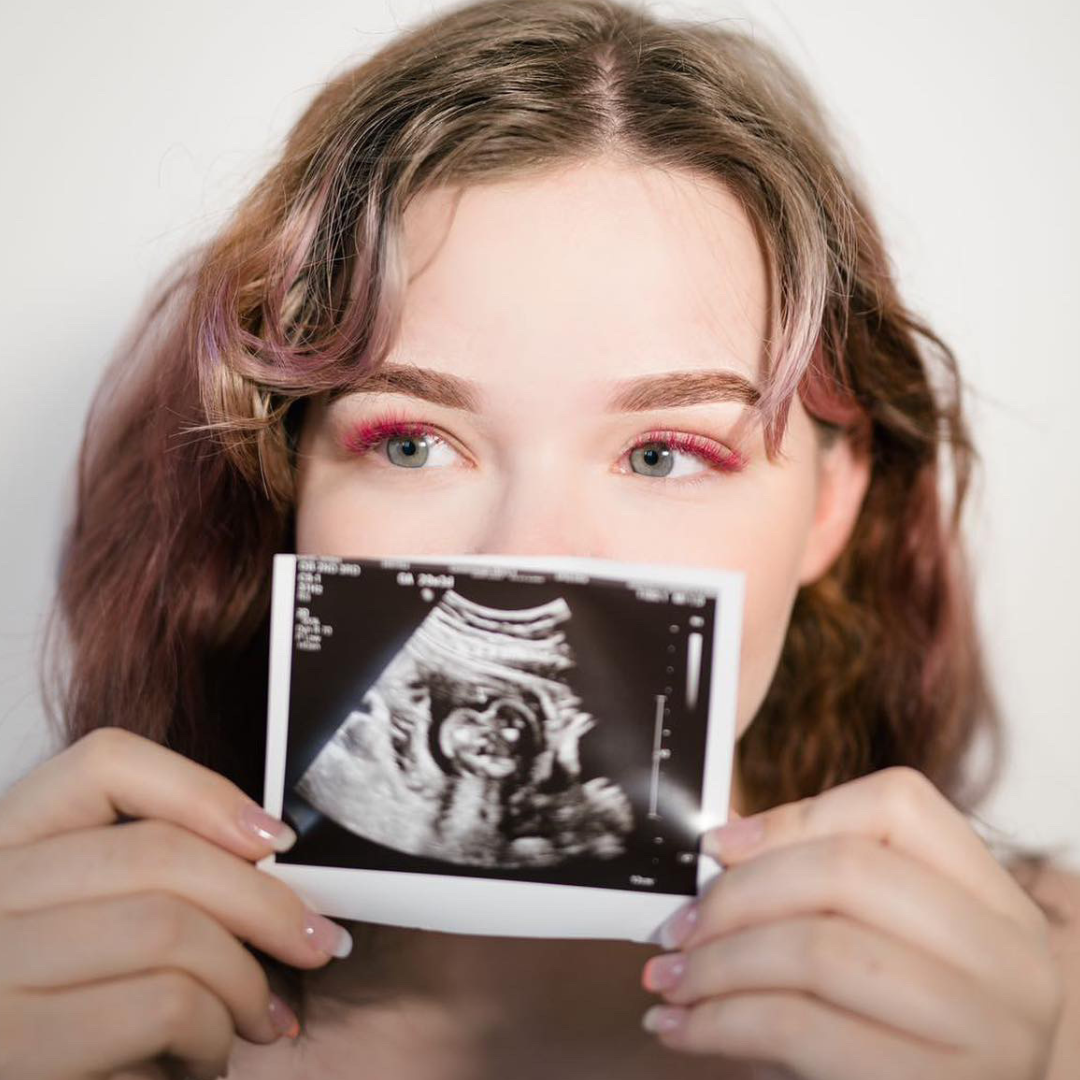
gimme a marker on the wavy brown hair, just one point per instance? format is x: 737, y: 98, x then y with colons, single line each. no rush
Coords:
x: 186, y: 480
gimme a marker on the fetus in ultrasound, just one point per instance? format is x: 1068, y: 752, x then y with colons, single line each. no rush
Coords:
x: 466, y: 748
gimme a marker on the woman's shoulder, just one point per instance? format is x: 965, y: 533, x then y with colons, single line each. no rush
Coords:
x: 1057, y: 890
x: 1062, y: 885
x: 1057, y: 885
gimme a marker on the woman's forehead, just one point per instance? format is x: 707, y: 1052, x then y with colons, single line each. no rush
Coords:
x: 602, y: 271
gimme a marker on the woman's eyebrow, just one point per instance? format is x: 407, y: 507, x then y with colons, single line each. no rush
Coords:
x: 676, y: 388
x: 452, y: 391
x: 668, y: 390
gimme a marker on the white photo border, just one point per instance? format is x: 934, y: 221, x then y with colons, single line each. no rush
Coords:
x: 490, y: 906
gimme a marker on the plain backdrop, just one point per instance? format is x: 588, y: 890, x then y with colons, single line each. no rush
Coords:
x: 128, y: 130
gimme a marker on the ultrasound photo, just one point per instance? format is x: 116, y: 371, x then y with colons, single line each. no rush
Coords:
x: 500, y: 746
x: 467, y: 747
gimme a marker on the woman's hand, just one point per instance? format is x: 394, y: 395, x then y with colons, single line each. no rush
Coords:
x: 865, y: 932
x: 121, y: 943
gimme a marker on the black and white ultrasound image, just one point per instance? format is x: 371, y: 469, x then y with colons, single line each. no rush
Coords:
x: 512, y: 726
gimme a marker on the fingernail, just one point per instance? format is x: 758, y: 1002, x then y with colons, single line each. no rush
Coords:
x: 734, y: 838
x: 283, y: 1018
x: 661, y: 1019
x: 254, y: 819
x: 664, y: 972
x: 680, y: 926
x: 327, y: 936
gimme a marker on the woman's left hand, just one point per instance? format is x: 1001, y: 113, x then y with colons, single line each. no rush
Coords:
x: 867, y: 931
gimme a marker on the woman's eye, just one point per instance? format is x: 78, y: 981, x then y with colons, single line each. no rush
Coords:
x: 415, y: 451
x: 403, y: 445
x: 662, y: 459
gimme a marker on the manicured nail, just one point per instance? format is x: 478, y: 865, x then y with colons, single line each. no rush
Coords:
x: 283, y: 1018
x: 661, y: 1019
x: 734, y: 838
x: 663, y: 972
x: 680, y: 926
x: 327, y: 936
x: 254, y: 819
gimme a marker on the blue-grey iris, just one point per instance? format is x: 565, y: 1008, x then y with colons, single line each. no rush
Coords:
x: 407, y: 451
x: 652, y: 459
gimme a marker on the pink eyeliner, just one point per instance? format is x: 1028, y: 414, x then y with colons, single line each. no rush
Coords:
x: 708, y: 451
x: 364, y: 436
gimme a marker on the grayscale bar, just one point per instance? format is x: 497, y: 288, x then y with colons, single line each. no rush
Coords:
x: 693, y: 668
x: 657, y: 755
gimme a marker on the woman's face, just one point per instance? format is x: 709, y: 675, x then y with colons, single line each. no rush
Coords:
x: 576, y: 352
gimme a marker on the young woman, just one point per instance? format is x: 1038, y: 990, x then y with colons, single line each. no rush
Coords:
x: 542, y: 276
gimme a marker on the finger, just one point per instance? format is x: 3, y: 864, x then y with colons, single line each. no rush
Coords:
x: 160, y: 1012
x: 112, y: 773
x: 899, y: 807
x: 157, y: 856
x: 880, y: 888
x: 817, y: 1041
x: 838, y: 961
x: 117, y: 936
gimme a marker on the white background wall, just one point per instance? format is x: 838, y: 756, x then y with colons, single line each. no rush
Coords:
x: 128, y: 129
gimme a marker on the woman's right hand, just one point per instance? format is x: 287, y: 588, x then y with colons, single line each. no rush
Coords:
x: 120, y: 944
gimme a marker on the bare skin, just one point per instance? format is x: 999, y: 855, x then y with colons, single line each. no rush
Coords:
x: 443, y: 1006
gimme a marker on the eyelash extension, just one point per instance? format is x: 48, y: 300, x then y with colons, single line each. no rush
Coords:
x: 720, y: 459
x: 367, y: 435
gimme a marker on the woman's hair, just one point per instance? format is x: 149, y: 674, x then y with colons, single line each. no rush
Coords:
x: 187, y: 476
